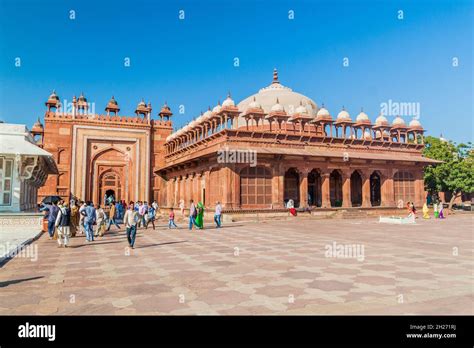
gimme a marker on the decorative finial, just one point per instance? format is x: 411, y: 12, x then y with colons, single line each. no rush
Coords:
x: 228, y: 94
x: 278, y: 101
x: 275, y: 75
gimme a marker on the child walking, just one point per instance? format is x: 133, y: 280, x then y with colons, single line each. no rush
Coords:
x: 171, y: 221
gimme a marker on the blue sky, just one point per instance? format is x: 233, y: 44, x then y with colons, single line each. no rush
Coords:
x: 190, y: 62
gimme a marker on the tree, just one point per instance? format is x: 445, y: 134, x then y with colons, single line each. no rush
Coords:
x: 455, y: 174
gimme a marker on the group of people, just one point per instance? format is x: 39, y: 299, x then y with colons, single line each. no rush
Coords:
x: 66, y: 220
x: 438, y: 211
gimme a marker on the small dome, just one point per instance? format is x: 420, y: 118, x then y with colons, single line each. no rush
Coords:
x: 38, y: 126
x: 113, y: 101
x: 228, y: 102
x: 186, y: 128
x: 415, y: 123
x: 82, y: 98
x: 53, y: 95
x: 398, y: 121
x: 343, y: 115
x: 199, y: 119
x: 301, y: 109
x: 193, y: 124
x: 207, y: 115
x: 142, y: 103
x: 217, y: 108
x: 381, y: 120
x: 277, y: 107
x: 169, y: 137
x: 362, y: 117
x: 254, y: 104
x: 323, y: 112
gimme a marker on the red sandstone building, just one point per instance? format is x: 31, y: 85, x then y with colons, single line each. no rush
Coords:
x: 273, y: 146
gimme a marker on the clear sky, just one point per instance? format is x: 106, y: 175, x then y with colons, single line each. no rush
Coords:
x: 190, y: 62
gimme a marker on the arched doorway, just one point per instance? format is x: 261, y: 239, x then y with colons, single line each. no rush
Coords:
x: 375, y: 193
x: 110, y: 187
x: 314, y: 188
x: 291, y: 183
x: 356, y: 189
x: 335, y: 185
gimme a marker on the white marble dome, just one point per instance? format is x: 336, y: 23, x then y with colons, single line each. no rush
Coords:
x: 228, y: 102
x: 217, y: 108
x: 208, y: 114
x: 301, y: 109
x: 254, y: 104
x: 415, y: 124
x: 398, y: 121
x: 362, y: 117
x: 288, y: 99
x: 343, y: 115
x: 323, y: 113
x: 381, y: 120
x: 277, y: 107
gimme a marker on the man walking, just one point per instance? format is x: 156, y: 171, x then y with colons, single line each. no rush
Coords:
x: 192, y: 214
x: 52, y: 215
x: 130, y: 221
x: 112, y: 213
x: 63, y: 223
x: 217, y: 215
x: 89, y: 220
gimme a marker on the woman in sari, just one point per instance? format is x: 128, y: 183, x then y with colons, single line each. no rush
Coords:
x: 441, y: 210
x: 74, y: 218
x: 200, y: 216
x: 100, y: 221
x: 426, y: 211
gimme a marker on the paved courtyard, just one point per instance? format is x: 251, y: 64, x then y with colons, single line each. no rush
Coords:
x: 279, y: 267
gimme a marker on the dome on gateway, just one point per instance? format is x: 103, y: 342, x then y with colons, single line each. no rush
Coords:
x: 288, y: 99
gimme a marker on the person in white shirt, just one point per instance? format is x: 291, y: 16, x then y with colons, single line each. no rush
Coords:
x: 130, y: 221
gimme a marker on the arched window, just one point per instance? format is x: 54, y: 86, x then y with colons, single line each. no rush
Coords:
x: 404, y: 187
x: 255, y: 187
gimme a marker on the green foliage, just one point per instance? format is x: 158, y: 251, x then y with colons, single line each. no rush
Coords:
x: 456, y: 173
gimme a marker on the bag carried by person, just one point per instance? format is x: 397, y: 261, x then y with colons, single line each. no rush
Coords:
x: 55, y: 235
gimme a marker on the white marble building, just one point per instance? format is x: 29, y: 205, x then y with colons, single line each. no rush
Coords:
x: 24, y: 167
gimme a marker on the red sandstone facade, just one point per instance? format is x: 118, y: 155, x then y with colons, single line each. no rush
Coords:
x: 273, y: 146
x: 96, y: 154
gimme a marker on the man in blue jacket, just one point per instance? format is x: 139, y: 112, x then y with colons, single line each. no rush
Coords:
x: 52, y: 215
x: 89, y: 220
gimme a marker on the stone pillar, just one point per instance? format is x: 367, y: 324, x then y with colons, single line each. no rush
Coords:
x: 366, y: 190
x: 207, y: 186
x: 386, y: 189
x: 420, y: 197
x: 235, y: 173
x: 277, y: 186
x: 303, y: 175
x: 227, y: 189
x: 346, y: 189
x: 325, y: 190
x: 198, y: 180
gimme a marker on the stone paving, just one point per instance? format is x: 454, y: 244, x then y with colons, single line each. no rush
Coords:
x: 278, y: 267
